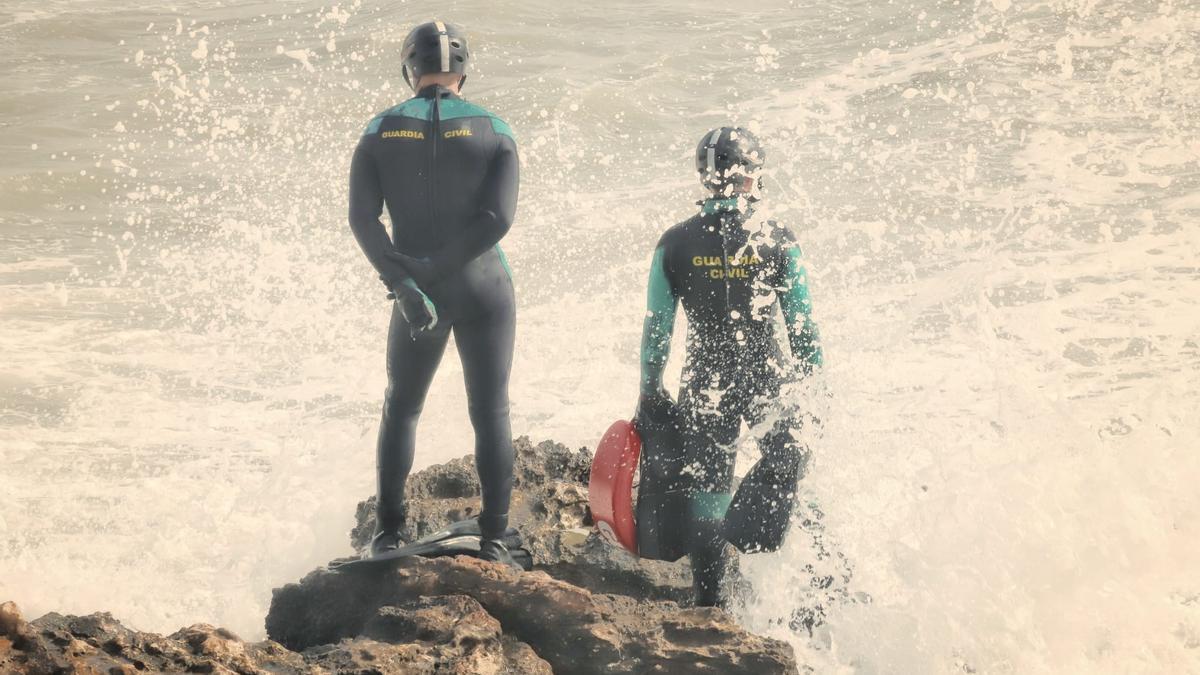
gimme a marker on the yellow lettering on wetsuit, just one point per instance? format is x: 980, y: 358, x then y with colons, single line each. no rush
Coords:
x: 715, y: 261
x: 732, y: 273
x: 405, y: 133
x: 455, y: 133
x: 731, y: 267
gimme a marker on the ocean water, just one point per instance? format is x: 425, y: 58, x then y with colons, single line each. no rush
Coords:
x: 998, y: 202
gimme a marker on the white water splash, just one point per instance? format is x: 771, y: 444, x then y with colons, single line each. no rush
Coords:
x: 1002, y: 255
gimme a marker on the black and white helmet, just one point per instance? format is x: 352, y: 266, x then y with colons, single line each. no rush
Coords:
x: 727, y: 156
x: 434, y: 47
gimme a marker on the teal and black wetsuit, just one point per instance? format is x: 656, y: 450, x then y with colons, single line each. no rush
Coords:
x: 448, y: 172
x: 729, y: 271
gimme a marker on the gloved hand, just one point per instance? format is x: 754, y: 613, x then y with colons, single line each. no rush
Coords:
x: 655, y: 404
x: 416, y: 307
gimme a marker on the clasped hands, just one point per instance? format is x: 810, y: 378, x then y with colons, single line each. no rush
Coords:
x: 405, y: 288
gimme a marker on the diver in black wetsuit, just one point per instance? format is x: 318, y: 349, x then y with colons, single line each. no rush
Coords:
x: 448, y: 172
x: 730, y: 270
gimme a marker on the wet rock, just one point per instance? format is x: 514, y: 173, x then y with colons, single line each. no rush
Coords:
x: 461, y: 636
x: 370, y: 657
x: 10, y: 619
x: 98, y: 643
x: 589, y: 608
x: 601, y: 567
x: 571, y: 628
x: 549, y: 507
x: 446, y: 634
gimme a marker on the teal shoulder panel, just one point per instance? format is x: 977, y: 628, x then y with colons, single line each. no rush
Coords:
x: 501, y: 127
x: 415, y: 108
x: 455, y: 108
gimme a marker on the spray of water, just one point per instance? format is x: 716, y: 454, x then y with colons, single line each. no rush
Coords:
x: 997, y: 202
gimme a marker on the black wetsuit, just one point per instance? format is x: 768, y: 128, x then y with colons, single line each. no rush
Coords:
x: 448, y: 172
x: 730, y: 271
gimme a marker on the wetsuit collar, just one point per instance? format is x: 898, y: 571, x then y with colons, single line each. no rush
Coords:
x: 714, y: 205
x: 428, y: 90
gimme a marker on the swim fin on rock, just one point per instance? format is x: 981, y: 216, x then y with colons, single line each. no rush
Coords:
x: 461, y: 538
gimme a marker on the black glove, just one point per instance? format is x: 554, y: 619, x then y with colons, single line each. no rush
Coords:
x: 416, y: 307
x: 655, y: 404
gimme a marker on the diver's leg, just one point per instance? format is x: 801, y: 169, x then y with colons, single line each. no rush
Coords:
x: 781, y: 454
x: 710, y: 430
x: 762, y: 508
x: 411, y: 364
x: 485, y: 345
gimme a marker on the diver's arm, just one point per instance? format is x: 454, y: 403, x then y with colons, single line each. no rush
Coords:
x: 657, y: 327
x: 493, y: 219
x: 796, y: 303
x: 366, y: 205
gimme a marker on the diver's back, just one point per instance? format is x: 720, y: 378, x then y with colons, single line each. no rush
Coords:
x: 433, y: 156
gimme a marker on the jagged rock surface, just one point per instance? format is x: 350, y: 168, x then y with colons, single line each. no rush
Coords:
x: 592, y: 608
x: 98, y: 643
x: 444, y: 634
x: 549, y: 507
x: 573, y: 629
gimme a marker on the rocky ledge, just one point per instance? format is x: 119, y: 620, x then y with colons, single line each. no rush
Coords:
x: 586, y: 608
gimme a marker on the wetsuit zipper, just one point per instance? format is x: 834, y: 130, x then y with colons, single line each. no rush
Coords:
x: 433, y: 177
x: 722, y: 221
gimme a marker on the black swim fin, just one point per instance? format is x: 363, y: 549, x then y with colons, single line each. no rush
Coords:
x: 663, y: 486
x: 758, y: 516
x: 461, y: 538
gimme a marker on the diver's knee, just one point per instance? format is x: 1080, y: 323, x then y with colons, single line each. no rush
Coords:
x: 398, y: 407
x: 488, y: 415
x: 781, y: 451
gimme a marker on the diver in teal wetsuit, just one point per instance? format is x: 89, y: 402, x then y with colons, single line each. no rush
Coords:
x: 729, y: 270
x: 447, y: 171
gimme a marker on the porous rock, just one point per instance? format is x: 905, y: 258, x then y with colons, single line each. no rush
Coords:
x: 550, y: 508
x: 571, y: 628
x: 444, y: 634
x: 589, y: 607
x: 98, y: 643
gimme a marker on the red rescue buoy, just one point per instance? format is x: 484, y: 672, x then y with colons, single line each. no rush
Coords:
x: 610, y: 487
